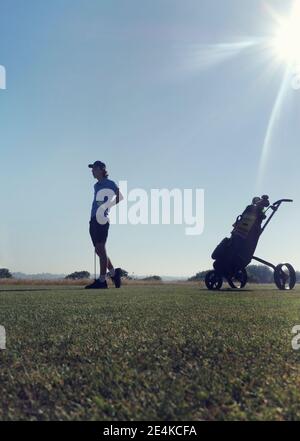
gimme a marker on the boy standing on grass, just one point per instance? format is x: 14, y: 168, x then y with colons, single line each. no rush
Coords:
x: 99, y: 223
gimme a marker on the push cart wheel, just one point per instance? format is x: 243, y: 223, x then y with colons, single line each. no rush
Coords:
x: 285, y: 277
x: 239, y: 280
x: 213, y: 281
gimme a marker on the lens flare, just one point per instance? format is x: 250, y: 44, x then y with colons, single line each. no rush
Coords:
x: 286, y: 42
x: 286, y: 49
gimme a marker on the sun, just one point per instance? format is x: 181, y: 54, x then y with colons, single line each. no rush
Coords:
x: 286, y: 41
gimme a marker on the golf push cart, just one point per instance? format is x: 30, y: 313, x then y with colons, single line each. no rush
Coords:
x: 234, y: 254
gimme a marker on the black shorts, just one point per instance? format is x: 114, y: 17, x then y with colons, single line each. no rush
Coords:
x: 98, y: 232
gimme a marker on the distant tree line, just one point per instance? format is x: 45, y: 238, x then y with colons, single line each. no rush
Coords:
x: 79, y: 275
x: 256, y: 274
x: 5, y: 273
x: 152, y: 279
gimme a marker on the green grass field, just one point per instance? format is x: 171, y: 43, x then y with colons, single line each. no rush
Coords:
x: 169, y: 352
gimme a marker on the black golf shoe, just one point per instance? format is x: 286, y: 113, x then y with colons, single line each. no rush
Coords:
x: 117, y: 278
x: 97, y: 285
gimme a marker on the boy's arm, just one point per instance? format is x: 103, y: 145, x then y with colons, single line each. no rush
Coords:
x: 119, y: 197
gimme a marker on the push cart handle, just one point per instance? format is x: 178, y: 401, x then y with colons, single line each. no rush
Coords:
x: 281, y: 201
x: 274, y: 207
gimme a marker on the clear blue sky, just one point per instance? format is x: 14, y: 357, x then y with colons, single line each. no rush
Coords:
x: 141, y: 86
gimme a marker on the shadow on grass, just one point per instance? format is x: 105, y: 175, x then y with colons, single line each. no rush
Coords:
x: 227, y: 290
x: 27, y: 290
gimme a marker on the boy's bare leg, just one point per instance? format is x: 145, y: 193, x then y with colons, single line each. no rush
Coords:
x: 110, y: 266
x: 101, y: 252
x: 105, y: 263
